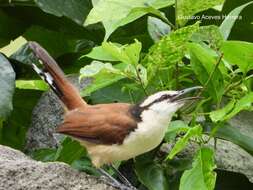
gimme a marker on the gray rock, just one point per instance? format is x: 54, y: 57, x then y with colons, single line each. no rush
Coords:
x: 18, y: 172
x: 47, y: 114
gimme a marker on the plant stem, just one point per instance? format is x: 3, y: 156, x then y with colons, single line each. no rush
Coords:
x: 140, y: 81
x: 211, y: 75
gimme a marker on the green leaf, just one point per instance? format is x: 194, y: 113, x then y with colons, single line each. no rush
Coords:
x: 210, y: 34
x: 201, y: 176
x: 171, y: 48
x: 31, y: 84
x: 157, y: 28
x: 10, y: 28
x: 103, y: 74
x: 187, y: 8
x: 116, y: 13
x: 238, y: 53
x: 100, y: 54
x: 76, y: 10
x: 7, y: 85
x: 44, y: 155
x: 150, y: 174
x: 69, y: 151
x: 181, y: 143
x: 174, y: 128
x: 219, y: 115
x: 228, y: 23
x: 232, y: 134
x: 245, y: 103
x: 114, y: 93
x: 16, y: 126
x: 127, y: 53
x: 203, y: 64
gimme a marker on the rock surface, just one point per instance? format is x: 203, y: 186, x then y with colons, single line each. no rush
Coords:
x: 47, y: 114
x: 18, y: 172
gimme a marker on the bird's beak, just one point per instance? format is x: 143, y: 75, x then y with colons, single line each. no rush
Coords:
x: 181, y: 94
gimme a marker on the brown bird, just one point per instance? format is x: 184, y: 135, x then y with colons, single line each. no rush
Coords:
x: 110, y: 132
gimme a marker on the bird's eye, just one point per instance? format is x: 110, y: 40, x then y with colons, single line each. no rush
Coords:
x: 165, y: 96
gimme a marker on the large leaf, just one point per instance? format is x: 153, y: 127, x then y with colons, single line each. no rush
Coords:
x: 201, y: 176
x: 209, y: 34
x: 157, y: 28
x: 238, y: 53
x: 203, y: 64
x: 171, y: 48
x: 15, y: 127
x: 181, y: 143
x: 103, y: 74
x: 187, y: 8
x: 10, y: 28
x: 232, y: 134
x: 55, y: 43
x: 228, y: 23
x: 150, y: 174
x: 69, y: 151
x: 7, y: 85
x: 116, y: 13
x: 77, y: 10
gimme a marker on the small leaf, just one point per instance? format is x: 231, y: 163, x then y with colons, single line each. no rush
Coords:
x: 201, y: 176
x: 69, y: 151
x: 245, y: 103
x: 238, y: 53
x: 157, y: 28
x: 7, y: 85
x: 181, y: 143
x: 127, y: 53
x: 44, y: 155
x: 31, y: 84
x: 116, y: 13
x: 229, y: 22
x: 187, y: 8
x: 219, y: 115
x: 203, y: 64
x: 100, y: 54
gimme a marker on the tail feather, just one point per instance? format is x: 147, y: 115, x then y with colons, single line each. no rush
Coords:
x: 55, y: 78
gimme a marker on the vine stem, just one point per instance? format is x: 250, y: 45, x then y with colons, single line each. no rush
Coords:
x: 211, y: 75
x: 208, y: 80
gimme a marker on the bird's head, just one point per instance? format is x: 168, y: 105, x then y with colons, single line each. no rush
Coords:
x: 166, y: 103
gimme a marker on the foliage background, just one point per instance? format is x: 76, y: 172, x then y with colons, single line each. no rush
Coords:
x: 132, y: 49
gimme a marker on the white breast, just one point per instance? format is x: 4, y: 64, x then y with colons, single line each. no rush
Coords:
x: 146, y: 137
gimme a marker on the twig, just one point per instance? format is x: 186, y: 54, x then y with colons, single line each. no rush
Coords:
x: 140, y: 81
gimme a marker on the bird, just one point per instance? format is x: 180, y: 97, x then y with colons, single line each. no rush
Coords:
x: 114, y: 131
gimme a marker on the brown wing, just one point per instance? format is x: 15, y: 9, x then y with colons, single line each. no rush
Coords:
x: 103, y: 124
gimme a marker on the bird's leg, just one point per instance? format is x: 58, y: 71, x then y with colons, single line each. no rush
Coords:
x: 114, y: 182
x: 122, y: 178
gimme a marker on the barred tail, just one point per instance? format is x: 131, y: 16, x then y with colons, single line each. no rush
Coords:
x: 52, y: 74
